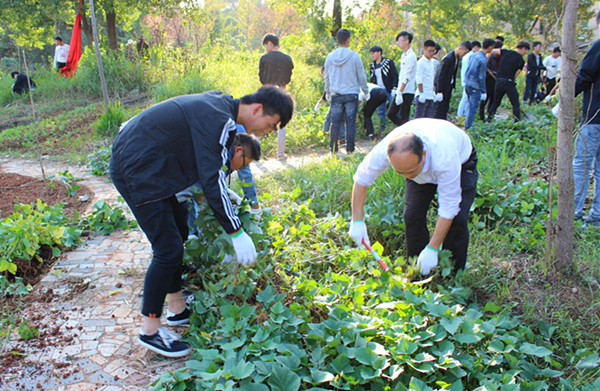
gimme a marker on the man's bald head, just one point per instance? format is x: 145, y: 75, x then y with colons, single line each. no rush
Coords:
x: 406, y: 153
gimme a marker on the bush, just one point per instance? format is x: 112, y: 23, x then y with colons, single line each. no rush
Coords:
x: 111, y: 119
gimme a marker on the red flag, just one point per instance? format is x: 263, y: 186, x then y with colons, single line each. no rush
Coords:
x: 74, y: 49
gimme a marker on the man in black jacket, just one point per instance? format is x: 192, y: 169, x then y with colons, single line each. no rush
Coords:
x: 22, y: 82
x: 382, y: 72
x: 445, y: 79
x: 535, y: 66
x: 167, y: 148
x: 587, y: 144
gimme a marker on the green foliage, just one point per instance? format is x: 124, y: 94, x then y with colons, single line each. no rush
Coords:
x: 110, y: 121
x: 99, y: 161
x: 68, y: 180
x: 26, y: 332
x: 24, y: 233
x: 104, y: 219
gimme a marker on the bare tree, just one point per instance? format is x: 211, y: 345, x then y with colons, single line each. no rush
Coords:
x: 566, y: 126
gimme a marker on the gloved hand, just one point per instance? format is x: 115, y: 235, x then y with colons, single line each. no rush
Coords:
x: 245, y: 252
x: 361, y: 96
x: 394, y: 92
x: 548, y: 98
x: 228, y: 259
x: 439, y: 97
x: 358, y: 232
x: 483, y: 96
x: 318, y: 105
x: 234, y: 197
x: 256, y: 213
x: 428, y: 259
x: 421, y: 98
x: 399, y: 99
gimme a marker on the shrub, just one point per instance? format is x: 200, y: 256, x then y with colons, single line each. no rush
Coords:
x: 111, y: 119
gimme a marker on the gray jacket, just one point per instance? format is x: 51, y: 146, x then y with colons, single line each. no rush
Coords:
x: 344, y: 73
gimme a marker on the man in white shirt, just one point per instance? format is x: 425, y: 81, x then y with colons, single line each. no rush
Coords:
x: 61, y: 53
x: 463, y: 106
x: 405, y: 92
x: 552, y: 64
x: 433, y: 155
x: 424, y: 79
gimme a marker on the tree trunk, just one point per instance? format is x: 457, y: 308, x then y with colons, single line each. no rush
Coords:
x: 99, y: 58
x: 566, y: 126
x: 428, y: 33
x: 337, y: 17
x: 111, y: 29
x: 86, y: 26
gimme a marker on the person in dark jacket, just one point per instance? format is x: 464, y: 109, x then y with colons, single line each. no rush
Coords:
x: 166, y: 149
x: 22, y: 82
x: 535, y: 66
x: 383, y: 73
x: 275, y: 67
x: 587, y: 144
x: 490, y: 80
x: 445, y: 79
x: 373, y: 100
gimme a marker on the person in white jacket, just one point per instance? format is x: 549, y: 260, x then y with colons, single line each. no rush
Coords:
x: 344, y: 79
x: 61, y: 53
x: 424, y: 79
x: 434, y: 156
x: 404, y: 94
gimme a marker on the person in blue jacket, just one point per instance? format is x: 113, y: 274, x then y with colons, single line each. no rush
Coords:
x: 167, y: 148
x: 587, y: 144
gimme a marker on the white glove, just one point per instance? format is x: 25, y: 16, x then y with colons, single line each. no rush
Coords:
x: 399, y: 99
x: 421, y: 98
x: 548, y: 98
x: 358, y: 232
x: 228, y: 259
x: 234, y: 197
x: 428, y: 259
x: 394, y: 91
x: 483, y: 96
x: 439, y: 97
x: 361, y: 96
x: 256, y: 213
x: 317, y: 106
x: 245, y: 252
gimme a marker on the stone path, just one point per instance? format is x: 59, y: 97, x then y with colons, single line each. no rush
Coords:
x: 87, y: 307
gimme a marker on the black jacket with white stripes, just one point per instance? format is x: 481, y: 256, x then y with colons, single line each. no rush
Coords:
x: 389, y: 74
x: 177, y: 143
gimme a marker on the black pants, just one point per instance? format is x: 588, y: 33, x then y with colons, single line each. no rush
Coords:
x: 490, y: 84
x: 531, y: 84
x: 378, y: 96
x: 417, y: 199
x: 165, y: 224
x: 403, y: 109
x: 550, y: 84
x: 440, y: 109
x: 509, y: 88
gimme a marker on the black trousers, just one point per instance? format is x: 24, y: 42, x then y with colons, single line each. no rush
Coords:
x: 403, y: 109
x: 378, y: 96
x: 490, y: 84
x: 440, y: 109
x: 165, y: 224
x: 509, y: 88
x: 417, y: 199
x: 550, y: 84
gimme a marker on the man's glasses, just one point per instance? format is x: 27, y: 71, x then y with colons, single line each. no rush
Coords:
x: 244, y: 165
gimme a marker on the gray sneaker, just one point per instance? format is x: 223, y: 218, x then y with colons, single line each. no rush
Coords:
x: 164, y: 342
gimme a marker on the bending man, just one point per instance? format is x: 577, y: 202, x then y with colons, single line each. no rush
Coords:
x: 433, y: 155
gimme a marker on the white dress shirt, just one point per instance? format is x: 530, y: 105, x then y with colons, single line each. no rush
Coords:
x: 552, y: 66
x: 447, y: 146
x: 408, y: 69
x: 424, y: 75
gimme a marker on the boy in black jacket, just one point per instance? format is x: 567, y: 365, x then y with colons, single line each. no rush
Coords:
x: 167, y: 148
x: 22, y: 82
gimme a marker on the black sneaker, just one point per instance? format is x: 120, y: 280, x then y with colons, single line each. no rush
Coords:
x: 164, y: 342
x: 178, y: 319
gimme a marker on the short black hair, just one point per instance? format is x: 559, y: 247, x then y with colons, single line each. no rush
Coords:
x: 13, y: 73
x: 274, y: 100
x: 342, y: 36
x: 437, y: 48
x: 467, y: 45
x: 498, y: 44
x: 250, y: 144
x: 415, y: 145
x: 476, y: 43
x: 556, y: 50
x: 499, y: 38
x: 429, y: 44
x: 523, y: 44
x: 406, y: 34
x: 274, y: 39
x: 376, y: 49
x: 535, y: 43
x: 487, y: 43
x: 57, y: 38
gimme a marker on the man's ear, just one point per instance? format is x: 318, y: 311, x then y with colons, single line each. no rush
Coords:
x: 257, y: 107
x: 237, y: 149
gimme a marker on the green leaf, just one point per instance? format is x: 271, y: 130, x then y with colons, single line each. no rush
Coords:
x: 320, y: 376
x: 241, y: 371
x: 451, y: 325
x: 589, y: 361
x: 283, y: 379
x: 254, y: 387
x: 545, y: 329
x: 467, y: 338
x: 418, y: 385
x: 291, y: 362
x: 490, y: 306
x: 407, y: 347
x: 534, y: 350
x: 365, y: 356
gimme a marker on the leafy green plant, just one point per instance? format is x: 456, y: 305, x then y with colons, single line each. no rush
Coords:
x: 68, y: 180
x: 99, y: 161
x: 104, y: 219
x: 26, y: 332
x: 111, y: 119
